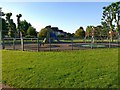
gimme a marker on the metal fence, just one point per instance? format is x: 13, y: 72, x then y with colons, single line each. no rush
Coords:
x: 36, y: 44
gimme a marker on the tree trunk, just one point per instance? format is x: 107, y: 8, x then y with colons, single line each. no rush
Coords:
x: 22, y: 41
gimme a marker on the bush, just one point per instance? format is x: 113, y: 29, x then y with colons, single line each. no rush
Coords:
x: 29, y: 36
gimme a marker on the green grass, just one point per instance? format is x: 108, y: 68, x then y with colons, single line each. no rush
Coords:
x: 69, y: 69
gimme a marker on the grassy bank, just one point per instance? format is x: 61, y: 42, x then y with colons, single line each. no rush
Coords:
x: 68, y: 69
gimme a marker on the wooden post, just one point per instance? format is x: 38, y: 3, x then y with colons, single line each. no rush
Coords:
x: 3, y: 44
x: 72, y: 43
x: 92, y: 42
x: 50, y: 42
x: 85, y: 39
x: 22, y: 44
x: 110, y: 43
x: 13, y: 43
x: 118, y: 39
x: 38, y: 44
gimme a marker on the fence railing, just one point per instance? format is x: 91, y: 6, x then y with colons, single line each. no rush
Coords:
x: 36, y: 44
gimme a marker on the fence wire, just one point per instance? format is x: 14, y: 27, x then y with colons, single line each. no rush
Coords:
x: 36, y: 44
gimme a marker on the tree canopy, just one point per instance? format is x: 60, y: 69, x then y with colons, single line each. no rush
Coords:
x: 42, y: 32
x: 24, y: 25
x: 111, y: 15
x: 31, y: 31
x: 80, y: 32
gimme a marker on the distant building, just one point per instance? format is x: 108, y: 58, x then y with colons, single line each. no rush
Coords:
x: 57, y: 31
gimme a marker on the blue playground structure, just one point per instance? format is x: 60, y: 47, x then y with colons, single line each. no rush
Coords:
x: 50, y: 37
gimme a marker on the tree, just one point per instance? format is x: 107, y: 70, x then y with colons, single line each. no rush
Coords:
x: 42, y: 32
x: 80, y: 32
x: 116, y: 13
x: 88, y: 31
x: 19, y: 25
x: 4, y: 24
x: 24, y: 27
x: 13, y: 27
x: 105, y: 29
x: 4, y: 28
x: 111, y: 15
x: 69, y: 35
x: 31, y: 31
x: 10, y: 31
x: 98, y: 33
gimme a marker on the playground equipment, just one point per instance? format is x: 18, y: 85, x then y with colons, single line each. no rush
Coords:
x: 92, y: 38
x: 50, y: 36
x: 92, y: 44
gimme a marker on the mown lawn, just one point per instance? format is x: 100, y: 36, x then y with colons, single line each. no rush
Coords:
x: 68, y: 69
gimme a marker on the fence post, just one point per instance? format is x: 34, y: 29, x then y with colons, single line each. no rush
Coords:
x: 22, y: 44
x: 92, y: 42
x: 50, y: 43
x: 38, y: 44
x: 13, y: 43
x: 3, y: 44
x: 72, y: 43
x: 109, y: 43
x: 118, y: 40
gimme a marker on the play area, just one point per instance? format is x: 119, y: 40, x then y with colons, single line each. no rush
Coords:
x: 52, y: 43
x: 36, y: 44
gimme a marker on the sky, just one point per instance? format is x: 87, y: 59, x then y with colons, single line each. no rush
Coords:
x: 67, y: 16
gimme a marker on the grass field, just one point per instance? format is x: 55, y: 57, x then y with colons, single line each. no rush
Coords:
x: 69, y: 69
